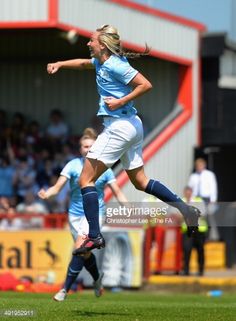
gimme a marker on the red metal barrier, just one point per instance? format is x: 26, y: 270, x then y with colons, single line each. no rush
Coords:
x: 55, y: 220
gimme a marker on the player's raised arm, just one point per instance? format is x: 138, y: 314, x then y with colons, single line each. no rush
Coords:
x: 53, y: 190
x: 53, y: 67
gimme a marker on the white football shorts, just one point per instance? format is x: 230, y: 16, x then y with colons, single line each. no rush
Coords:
x: 122, y: 140
x: 79, y: 225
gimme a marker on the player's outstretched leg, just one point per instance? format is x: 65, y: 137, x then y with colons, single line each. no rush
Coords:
x: 191, y: 214
x: 150, y: 186
x: 74, y: 268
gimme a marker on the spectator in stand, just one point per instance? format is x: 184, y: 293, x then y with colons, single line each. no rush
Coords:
x: 44, y: 173
x: 31, y: 205
x: 7, y: 206
x: 33, y: 133
x: 42, y: 155
x: 24, y: 152
x: 204, y: 184
x: 67, y: 153
x: 57, y: 130
x: 7, y: 172
x: 17, y: 130
x: 24, y: 179
x: 58, y: 162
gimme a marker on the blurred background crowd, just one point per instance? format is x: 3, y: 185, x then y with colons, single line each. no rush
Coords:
x: 31, y: 158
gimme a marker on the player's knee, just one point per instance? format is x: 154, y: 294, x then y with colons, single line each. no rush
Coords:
x: 139, y: 185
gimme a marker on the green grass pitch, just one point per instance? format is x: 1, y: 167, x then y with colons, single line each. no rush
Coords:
x: 122, y: 306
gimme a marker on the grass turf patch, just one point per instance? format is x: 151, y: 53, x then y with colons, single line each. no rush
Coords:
x: 123, y: 306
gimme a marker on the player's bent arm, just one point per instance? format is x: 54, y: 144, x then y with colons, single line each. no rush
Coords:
x: 53, y: 67
x: 117, y: 192
x: 140, y: 85
x: 53, y: 190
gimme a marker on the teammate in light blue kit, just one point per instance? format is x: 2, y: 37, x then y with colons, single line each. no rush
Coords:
x: 77, y: 220
x: 118, y: 85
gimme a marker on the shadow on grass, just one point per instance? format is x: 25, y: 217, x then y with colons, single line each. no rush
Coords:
x: 94, y: 314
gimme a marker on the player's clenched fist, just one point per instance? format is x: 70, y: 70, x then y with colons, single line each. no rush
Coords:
x: 52, y: 68
x: 42, y: 194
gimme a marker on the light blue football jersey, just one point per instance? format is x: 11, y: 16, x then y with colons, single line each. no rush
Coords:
x: 72, y: 171
x: 113, y: 77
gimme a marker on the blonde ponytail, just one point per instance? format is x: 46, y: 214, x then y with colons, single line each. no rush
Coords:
x: 108, y: 35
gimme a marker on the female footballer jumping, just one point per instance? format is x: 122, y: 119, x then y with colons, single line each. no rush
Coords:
x: 77, y: 220
x: 118, y: 85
